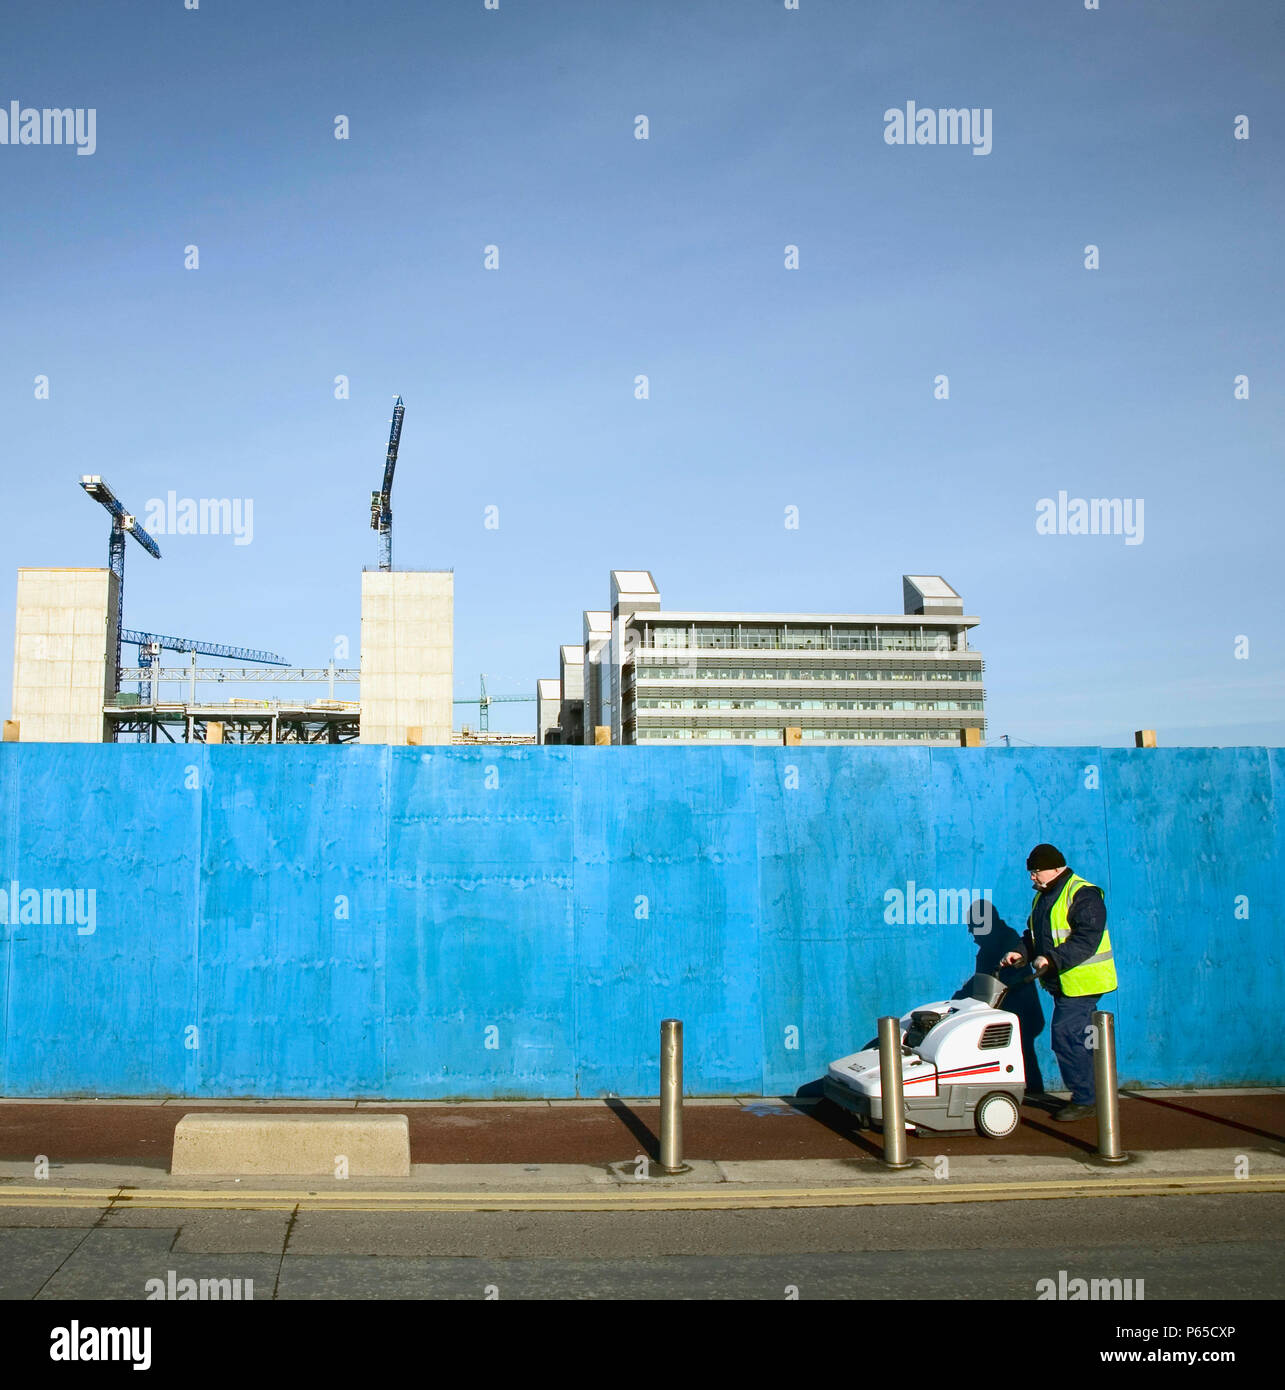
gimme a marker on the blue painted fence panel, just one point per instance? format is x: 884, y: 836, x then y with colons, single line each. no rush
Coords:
x: 515, y: 922
x: 480, y: 954
x: 100, y: 1006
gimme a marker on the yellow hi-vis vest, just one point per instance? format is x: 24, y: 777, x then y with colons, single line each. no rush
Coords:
x: 1093, y: 976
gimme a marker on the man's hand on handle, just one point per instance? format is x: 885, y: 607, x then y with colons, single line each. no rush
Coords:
x: 1039, y: 965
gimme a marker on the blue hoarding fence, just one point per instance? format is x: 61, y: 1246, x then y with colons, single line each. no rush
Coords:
x: 503, y: 922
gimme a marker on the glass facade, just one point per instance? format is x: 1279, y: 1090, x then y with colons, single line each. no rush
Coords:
x: 740, y: 702
x: 664, y: 734
x: 723, y: 671
x: 887, y: 637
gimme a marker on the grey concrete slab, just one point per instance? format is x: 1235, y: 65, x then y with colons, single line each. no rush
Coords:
x: 148, y: 1218
x: 128, y: 1278
x: 29, y: 1256
x: 701, y: 1172
x: 81, y: 1218
x: 117, y: 1264
x: 306, y: 1145
x: 207, y: 1232
x: 1228, y: 1163
x: 508, y: 1177
x: 232, y: 1232
x: 1244, y: 1271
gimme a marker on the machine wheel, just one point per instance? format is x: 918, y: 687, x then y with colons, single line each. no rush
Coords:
x: 997, y: 1115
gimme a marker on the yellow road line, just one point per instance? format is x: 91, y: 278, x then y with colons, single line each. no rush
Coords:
x: 650, y: 1198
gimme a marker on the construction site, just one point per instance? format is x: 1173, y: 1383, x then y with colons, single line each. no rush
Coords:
x: 71, y: 685
x: 641, y: 674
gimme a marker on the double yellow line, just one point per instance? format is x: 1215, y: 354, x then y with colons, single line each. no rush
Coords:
x: 649, y: 1195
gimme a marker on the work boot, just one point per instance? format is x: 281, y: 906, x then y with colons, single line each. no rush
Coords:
x: 1072, y: 1112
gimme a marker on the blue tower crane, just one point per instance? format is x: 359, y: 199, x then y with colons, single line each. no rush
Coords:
x: 122, y: 524
x: 486, y: 701
x: 190, y: 644
x: 381, y: 503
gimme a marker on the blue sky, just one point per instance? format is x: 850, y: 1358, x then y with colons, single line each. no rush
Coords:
x: 769, y: 387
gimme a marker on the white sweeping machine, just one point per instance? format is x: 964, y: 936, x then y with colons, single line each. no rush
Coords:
x: 961, y: 1066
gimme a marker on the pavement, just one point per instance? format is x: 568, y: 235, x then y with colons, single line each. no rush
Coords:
x: 782, y: 1198
x: 601, y: 1154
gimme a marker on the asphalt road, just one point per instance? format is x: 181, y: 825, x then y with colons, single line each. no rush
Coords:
x: 1210, y: 1248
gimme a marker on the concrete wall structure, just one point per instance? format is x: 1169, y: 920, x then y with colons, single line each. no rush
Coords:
x: 407, y: 655
x: 500, y: 922
x: 64, y: 654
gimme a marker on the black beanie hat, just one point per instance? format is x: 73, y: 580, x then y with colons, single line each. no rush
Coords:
x: 1045, y: 857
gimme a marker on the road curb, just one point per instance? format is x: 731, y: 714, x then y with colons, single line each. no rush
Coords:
x: 657, y: 1197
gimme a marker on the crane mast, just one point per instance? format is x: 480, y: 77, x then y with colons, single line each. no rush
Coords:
x: 122, y: 524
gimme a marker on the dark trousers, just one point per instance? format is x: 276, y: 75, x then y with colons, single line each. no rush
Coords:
x: 1071, y: 1038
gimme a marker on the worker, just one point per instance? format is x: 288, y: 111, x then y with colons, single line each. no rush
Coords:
x: 995, y: 940
x: 1067, y: 943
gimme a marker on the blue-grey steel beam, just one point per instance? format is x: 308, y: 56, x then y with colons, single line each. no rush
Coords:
x: 191, y: 644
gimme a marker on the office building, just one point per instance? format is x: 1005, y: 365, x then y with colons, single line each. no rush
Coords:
x: 671, y: 677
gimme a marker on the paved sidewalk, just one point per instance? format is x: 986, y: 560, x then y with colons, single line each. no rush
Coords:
x: 139, y: 1133
x: 706, y: 1185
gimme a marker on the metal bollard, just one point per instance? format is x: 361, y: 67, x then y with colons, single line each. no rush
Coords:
x: 671, y: 1096
x: 1104, y: 1083
x: 894, y: 1109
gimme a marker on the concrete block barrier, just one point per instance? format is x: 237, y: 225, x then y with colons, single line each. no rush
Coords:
x: 334, y: 1146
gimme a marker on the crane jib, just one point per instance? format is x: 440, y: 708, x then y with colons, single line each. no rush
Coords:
x: 381, y: 503
x: 390, y: 463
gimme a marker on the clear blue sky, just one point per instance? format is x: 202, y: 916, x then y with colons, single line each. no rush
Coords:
x: 769, y: 387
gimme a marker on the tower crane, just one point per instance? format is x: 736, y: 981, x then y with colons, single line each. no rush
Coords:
x: 122, y: 524
x: 381, y: 503
x: 485, y: 702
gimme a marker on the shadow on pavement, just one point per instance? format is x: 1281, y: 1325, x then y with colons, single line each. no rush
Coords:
x: 1204, y: 1115
x: 649, y: 1142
